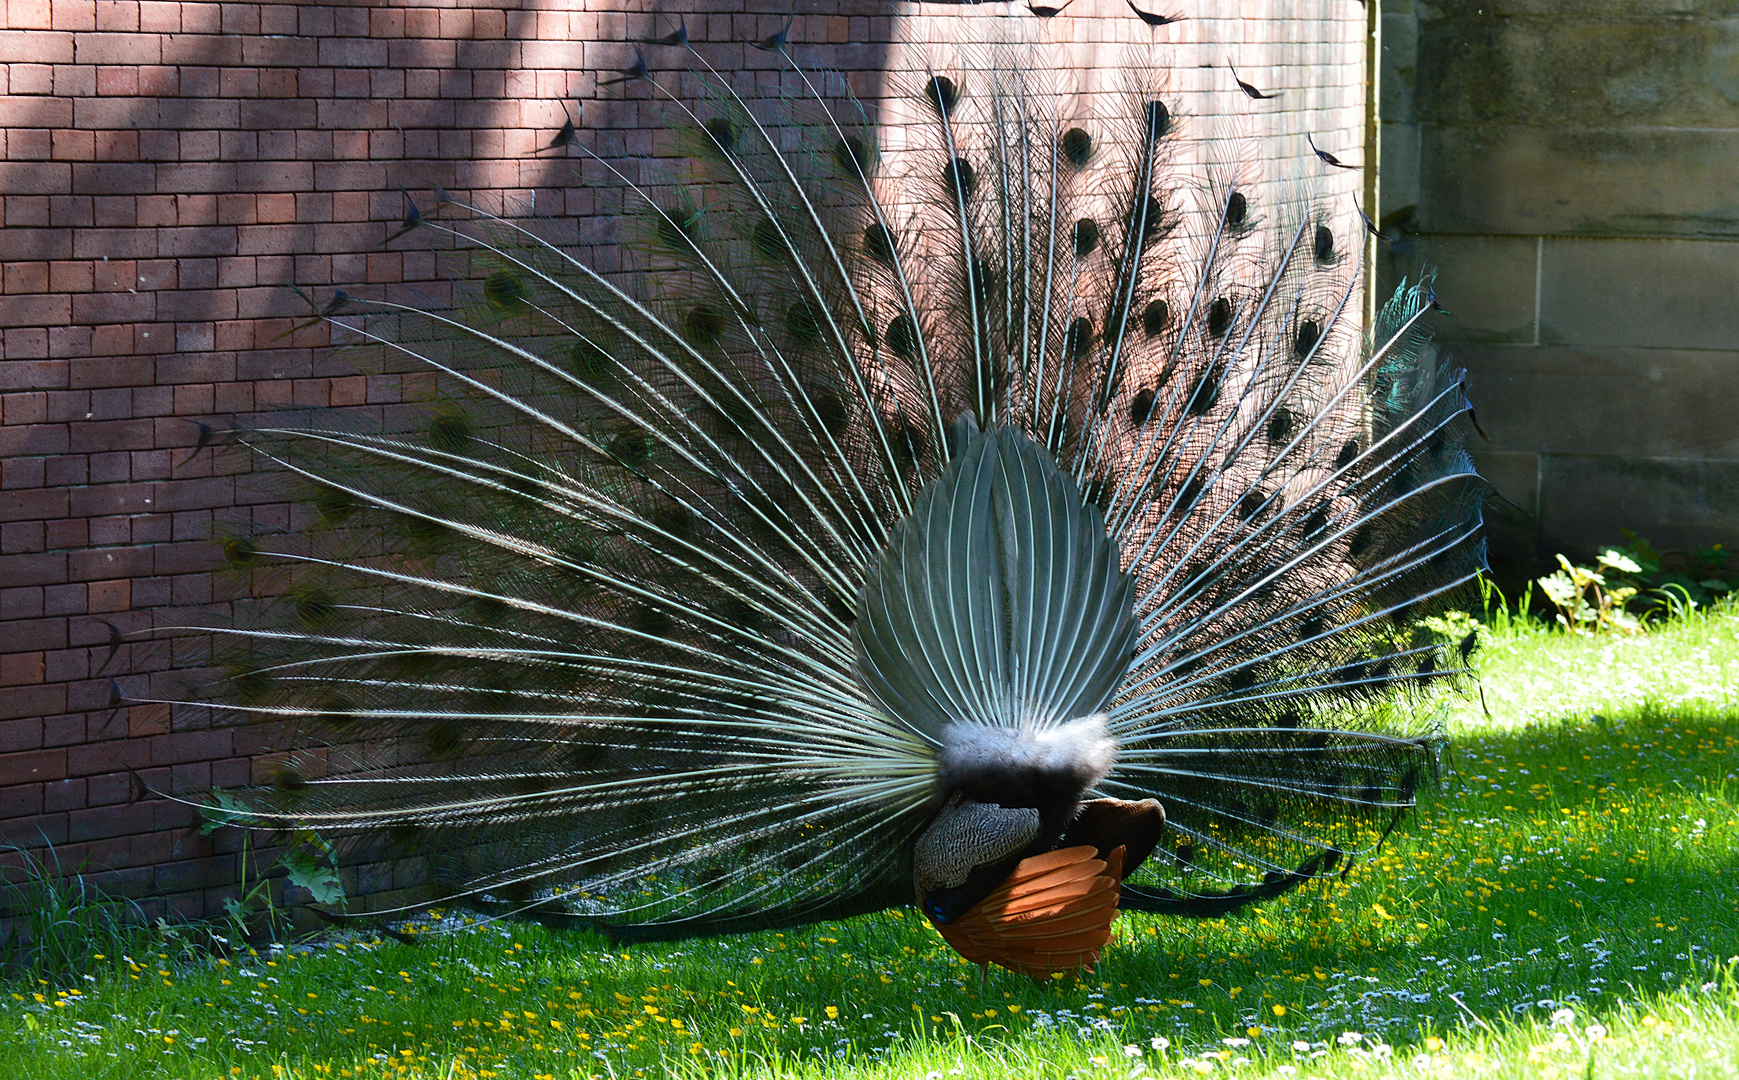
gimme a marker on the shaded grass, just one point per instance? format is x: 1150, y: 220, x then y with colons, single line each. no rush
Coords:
x: 1568, y: 900
x: 54, y: 920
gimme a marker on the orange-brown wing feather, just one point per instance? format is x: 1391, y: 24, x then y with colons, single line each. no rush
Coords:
x: 1037, y: 865
x: 1053, y: 914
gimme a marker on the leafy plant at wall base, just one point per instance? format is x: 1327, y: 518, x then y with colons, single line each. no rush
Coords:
x: 253, y: 914
x: 313, y: 870
x: 1672, y: 581
x: 1587, y: 601
x: 1453, y: 626
x: 307, y: 860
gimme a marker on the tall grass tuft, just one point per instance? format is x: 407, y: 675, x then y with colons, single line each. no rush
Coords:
x: 55, y: 921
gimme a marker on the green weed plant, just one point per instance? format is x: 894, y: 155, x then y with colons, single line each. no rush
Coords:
x: 1631, y: 586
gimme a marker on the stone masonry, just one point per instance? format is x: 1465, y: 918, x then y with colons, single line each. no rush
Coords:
x: 1568, y: 166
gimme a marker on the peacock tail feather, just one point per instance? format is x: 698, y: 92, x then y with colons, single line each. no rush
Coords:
x: 673, y: 599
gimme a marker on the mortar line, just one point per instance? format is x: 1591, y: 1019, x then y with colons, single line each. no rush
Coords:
x: 1539, y: 265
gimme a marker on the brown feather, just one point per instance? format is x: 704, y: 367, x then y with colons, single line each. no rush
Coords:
x: 1053, y: 914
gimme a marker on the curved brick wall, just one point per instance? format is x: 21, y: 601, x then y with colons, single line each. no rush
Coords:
x: 167, y: 167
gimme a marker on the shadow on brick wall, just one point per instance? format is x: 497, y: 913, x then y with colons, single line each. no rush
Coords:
x: 169, y: 167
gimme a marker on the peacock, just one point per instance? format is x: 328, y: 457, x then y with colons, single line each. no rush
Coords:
x: 999, y: 519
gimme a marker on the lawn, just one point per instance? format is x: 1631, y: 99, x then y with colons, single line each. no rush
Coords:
x: 1566, y: 903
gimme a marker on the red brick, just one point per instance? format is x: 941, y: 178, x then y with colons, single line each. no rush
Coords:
x: 21, y: 734
x: 108, y: 596
x: 71, y: 210
x: 22, y: 505
x: 118, y: 49
x: 63, y: 795
x: 160, y: 16
x: 75, y: 14
x: 46, y: 829
x: 20, y: 669
x: 154, y: 210
x: 43, y: 310
x: 20, y: 801
x: 68, y: 341
x: 37, y: 569
x: 32, y: 767
x: 100, y: 822
x: 117, y: 146
x: 110, y: 341
x: 26, y: 144
x: 91, y: 759
x: 117, y: 81
x: 182, y: 876
x: 74, y: 145
x: 119, y: 275
x: 112, y: 243
x: 32, y: 15
x: 68, y: 534
x: 150, y: 719
x: 278, y: 83
x: 30, y: 79
x: 75, y: 82
x: 186, y: 746
x: 106, y: 864
x: 28, y: 277
x: 18, y: 243
x: 159, y: 80
x: 117, y: 15
x: 70, y: 277
x: 114, y: 177
x: 108, y: 789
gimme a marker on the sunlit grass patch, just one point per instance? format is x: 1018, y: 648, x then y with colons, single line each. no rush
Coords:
x: 1690, y: 663
x: 1569, y: 894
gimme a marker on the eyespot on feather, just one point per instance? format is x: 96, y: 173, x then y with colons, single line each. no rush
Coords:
x: 1076, y: 146
x: 941, y: 93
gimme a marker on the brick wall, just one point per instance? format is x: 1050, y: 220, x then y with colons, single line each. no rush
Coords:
x: 168, y: 167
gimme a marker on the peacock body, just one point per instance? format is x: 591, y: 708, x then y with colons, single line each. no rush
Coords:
x: 1007, y: 522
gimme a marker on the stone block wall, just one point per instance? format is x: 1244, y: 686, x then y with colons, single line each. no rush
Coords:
x: 168, y: 167
x: 1568, y: 167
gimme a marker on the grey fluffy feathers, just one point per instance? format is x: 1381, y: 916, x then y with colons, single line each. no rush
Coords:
x: 994, y: 758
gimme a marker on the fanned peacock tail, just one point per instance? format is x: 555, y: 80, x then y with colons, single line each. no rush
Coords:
x: 665, y: 603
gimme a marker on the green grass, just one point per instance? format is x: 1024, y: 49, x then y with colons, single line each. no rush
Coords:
x: 1567, y: 903
x: 55, y: 920
x: 1533, y: 677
